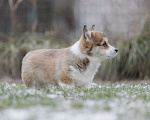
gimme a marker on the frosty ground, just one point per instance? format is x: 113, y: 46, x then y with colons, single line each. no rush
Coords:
x: 117, y: 101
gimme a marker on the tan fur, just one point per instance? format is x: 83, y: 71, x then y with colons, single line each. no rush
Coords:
x: 49, y: 66
x: 55, y: 66
x: 87, y: 46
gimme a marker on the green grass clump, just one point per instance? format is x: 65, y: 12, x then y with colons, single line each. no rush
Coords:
x: 125, y: 101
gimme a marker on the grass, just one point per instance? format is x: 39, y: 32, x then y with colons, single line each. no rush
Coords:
x: 107, y: 101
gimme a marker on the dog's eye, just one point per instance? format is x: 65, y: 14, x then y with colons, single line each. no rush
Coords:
x: 105, y: 45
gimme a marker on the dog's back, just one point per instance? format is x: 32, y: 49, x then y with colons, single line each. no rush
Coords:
x: 38, y: 67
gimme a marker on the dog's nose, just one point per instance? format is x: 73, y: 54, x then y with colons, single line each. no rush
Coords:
x: 116, y: 50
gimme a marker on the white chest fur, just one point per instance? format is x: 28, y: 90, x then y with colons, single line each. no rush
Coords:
x: 84, y: 78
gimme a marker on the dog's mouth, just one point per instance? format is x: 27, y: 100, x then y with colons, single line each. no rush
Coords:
x: 111, y: 56
x: 115, y: 54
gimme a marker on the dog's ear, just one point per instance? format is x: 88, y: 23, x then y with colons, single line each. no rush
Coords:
x: 86, y: 33
x: 92, y: 28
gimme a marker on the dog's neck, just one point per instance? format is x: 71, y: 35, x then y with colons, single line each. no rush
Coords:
x: 75, y: 49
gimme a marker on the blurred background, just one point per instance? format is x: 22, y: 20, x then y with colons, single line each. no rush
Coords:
x: 26, y: 25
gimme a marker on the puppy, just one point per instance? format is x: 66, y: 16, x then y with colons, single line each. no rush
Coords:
x: 68, y: 67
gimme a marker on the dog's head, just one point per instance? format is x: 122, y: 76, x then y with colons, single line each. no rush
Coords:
x: 95, y: 44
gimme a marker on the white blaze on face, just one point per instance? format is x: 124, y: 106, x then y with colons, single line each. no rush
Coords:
x: 104, y: 53
x: 110, y: 52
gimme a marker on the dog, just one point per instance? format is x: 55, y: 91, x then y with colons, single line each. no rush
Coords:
x: 68, y: 67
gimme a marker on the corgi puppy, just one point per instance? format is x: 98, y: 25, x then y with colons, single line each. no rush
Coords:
x: 68, y: 67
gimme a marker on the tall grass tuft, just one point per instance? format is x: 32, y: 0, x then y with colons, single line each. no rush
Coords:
x: 133, y: 59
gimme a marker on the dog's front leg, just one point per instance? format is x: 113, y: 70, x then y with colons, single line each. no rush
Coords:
x: 65, y: 81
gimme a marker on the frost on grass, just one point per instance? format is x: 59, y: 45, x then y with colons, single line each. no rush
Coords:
x: 105, y: 102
